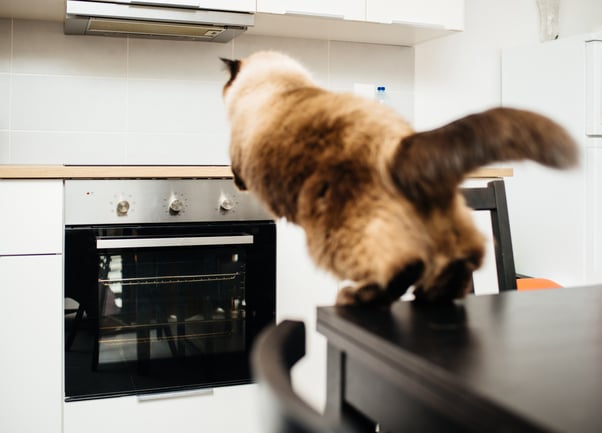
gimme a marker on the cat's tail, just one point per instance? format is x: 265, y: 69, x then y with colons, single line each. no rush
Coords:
x: 428, y: 166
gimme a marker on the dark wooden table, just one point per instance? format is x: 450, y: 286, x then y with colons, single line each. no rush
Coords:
x: 513, y: 362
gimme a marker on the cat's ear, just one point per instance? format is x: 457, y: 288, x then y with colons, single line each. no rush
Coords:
x: 233, y: 67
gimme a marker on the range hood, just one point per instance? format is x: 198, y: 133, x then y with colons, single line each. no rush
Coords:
x: 153, y: 19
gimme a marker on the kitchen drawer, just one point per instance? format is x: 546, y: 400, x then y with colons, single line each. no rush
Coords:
x: 31, y: 221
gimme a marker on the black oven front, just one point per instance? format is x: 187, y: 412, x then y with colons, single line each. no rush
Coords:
x: 164, y: 306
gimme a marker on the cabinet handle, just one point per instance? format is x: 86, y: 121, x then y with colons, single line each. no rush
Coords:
x: 174, y: 394
x: 419, y: 24
x: 180, y: 3
x: 315, y: 14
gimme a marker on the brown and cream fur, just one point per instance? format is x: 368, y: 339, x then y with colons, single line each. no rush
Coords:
x: 378, y: 202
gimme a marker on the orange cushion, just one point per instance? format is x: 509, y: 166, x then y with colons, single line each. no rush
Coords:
x: 535, y: 284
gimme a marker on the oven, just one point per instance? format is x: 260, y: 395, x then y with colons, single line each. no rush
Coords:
x: 167, y: 284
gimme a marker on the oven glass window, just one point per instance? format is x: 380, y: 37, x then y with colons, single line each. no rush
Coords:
x: 164, y: 305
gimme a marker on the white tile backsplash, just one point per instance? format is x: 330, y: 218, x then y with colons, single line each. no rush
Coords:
x: 4, y: 148
x: 312, y: 52
x: 5, y: 44
x: 381, y: 65
x: 59, y: 103
x: 175, y: 106
x: 76, y: 148
x: 177, y: 60
x: 4, y: 100
x: 103, y: 100
x: 178, y: 149
x: 40, y: 47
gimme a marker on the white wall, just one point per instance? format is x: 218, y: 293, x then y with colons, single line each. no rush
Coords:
x: 100, y: 100
x: 550, y: 210
x: 462, y: 73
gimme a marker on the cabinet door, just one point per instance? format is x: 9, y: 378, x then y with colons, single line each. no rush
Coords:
x: 448, y: 14
x: 229, y: 409
x: 226, y: 5
x: 31, y: 335
x: 31, y: 221
x: 350, y: 10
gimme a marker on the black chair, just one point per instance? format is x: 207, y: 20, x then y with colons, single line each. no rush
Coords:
x: 492, y: 198
x: 276, y: 350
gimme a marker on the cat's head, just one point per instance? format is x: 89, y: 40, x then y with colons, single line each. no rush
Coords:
x: 262, y: 73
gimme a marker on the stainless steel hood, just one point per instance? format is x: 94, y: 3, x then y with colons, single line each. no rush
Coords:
x: 154, y: 19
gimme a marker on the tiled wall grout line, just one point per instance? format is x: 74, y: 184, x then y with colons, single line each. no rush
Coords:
x: 10, y: 89
x: 99, y: 100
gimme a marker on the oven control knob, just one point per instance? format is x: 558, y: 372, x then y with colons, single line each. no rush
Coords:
x: 123, y: 207
x: 226, y: 204
x: 175, y: 206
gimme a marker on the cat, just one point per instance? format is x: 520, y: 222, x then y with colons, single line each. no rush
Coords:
x: 379, y: 202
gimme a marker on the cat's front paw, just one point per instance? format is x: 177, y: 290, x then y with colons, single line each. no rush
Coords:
x: 369, y: 295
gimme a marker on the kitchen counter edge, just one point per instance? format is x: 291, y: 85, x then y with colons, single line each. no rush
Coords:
x: 162, y: 172
x: 112, y: 172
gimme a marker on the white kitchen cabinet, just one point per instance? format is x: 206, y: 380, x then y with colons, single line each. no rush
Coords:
x: 230, y: 409
x: 367, y: 21
x: 31, y: 335
x: 31, y: 311
x: 225, y: 5
x: 349, y: 10
x: 31, y: 221
x: 448, y: 14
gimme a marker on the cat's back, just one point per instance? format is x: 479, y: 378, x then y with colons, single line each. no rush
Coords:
x: 327, y: 121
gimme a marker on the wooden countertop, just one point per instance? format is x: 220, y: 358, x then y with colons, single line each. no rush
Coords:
x: 112, y: 172
x: 154, y: 171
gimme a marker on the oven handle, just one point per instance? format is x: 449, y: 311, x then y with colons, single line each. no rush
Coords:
x: 114, y: 243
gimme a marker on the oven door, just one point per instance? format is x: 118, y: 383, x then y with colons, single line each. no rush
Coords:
x: 163, y: 308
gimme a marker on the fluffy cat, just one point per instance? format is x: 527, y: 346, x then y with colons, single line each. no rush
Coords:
x: 379, y: 203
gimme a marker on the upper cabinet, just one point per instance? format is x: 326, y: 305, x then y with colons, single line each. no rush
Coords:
x: 343, y: 9
x: 220, y: 5
x: 403, y: 22
x: 448, y: 14
x: 399, y: 22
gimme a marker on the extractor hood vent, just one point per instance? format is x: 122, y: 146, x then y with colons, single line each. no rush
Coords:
x: 153, y: 21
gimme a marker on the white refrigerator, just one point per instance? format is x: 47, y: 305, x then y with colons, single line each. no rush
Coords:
x: 556, y: 216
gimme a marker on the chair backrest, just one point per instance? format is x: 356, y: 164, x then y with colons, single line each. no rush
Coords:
x: 492, y: 198
x: 276, y: 350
